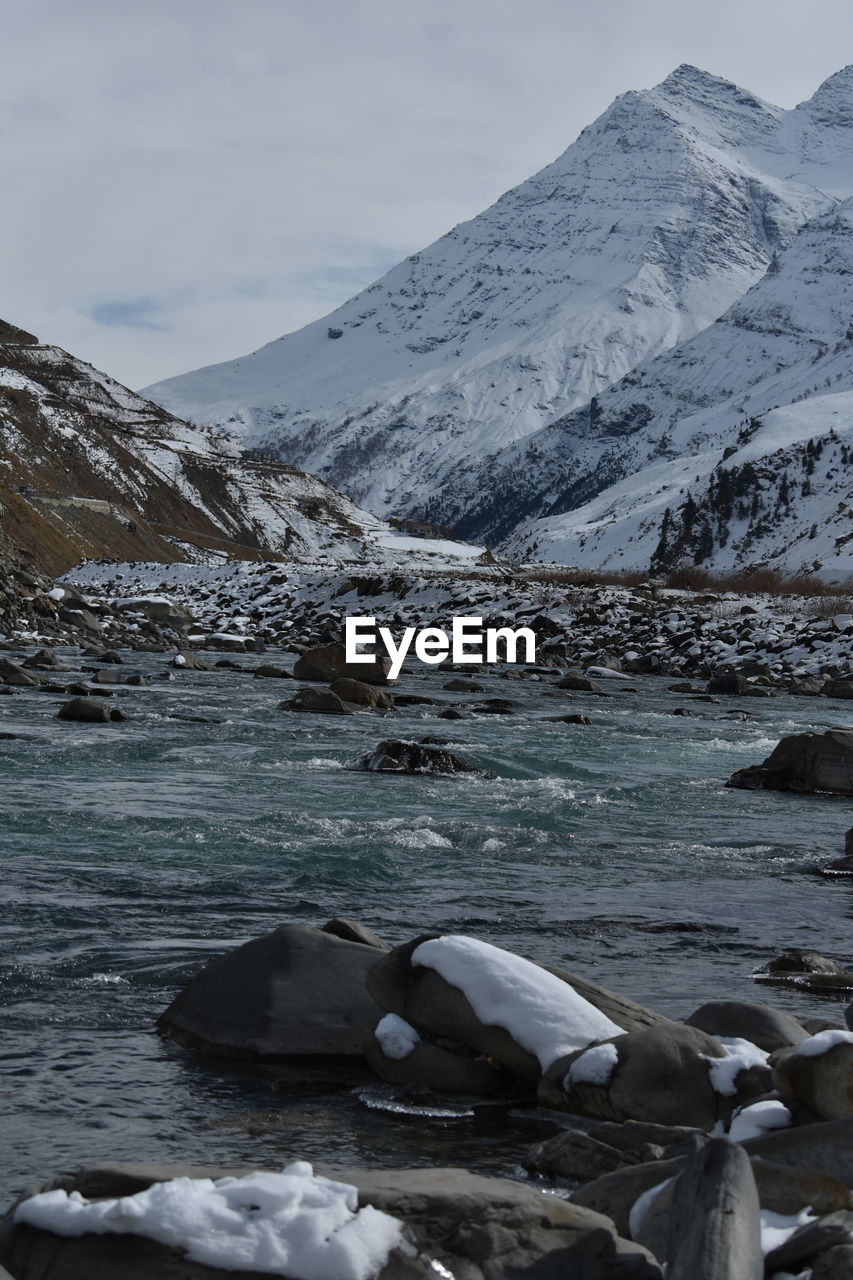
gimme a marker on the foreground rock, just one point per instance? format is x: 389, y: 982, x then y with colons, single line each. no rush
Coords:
x: 393, y: 755
x: 293, y: 993
x: 810, y: 762
x: 475, y: 1228
x: 705, y: 1225
x: 329, y: 663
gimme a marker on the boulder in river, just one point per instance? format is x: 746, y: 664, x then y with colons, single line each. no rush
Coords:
x: 320, y: 700
x: 44, y: 660
x: 328, y: 663
x: 89, y: 710
x: 812, y: 762
x: 393, y: 755
x: 295, y: 992
x: 361, y: 694
x: 12, y: 674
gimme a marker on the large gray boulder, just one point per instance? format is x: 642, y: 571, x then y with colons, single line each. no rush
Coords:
x: 11, y: 673
x: 659, y: 1075
x: 811, y: 762
x: 362, y: 694
x: 328, y: 663
x: 769, y: 1028
x: 818, y: 1075
x: 437, y: 1008
x: 708, y: 1222
x: 293, y: 993
x: 322, y: 701
x: 826, y: 1147
x: 476, y: 1228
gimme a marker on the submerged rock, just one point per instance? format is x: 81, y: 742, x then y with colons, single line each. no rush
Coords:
x: 393, y: 755
x: 810, y: 762
x: 295, y: 992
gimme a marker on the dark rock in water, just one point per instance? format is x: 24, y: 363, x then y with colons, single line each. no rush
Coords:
x: 363, y: 695
x: 713, y: 1228
x: 769, y: 1028
x: 821, y: 1081
x: 189, y: 661
x: 353, y: 931
x: 737, y: 714
x: 684, y: 711
x: 811, y: 1240
x: 495, y: 707
x: 269, y: 671
x: 581, y: 683
x: 840, y: 867
x: 454, y: 713
x: 413, y: 700
x: 848, y: 843
x: 393, y: 755
x: 320, y: 700
x: 571, y: 719
x: 15, y: 675
x: 81, y: 690
x: 703, y: 697
x: 480, y: 1228
x: 90, y: 710
x: 109, y: 655
x: 44, y: 660
x: 119, y: 677
x: 221, y: 664
x: 842, y: 688
x: 810, y: 762
x: 329, y: 662
x: 461, y: 685
x: 797, y: 961
x: 295, y: 992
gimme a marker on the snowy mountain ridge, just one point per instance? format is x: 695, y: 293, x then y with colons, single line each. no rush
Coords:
x: 659, y: 217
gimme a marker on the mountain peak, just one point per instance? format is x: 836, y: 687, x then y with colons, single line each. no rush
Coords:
x: 832, y: 104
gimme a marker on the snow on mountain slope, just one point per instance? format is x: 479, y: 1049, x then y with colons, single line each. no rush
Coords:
x: 647, y: 228
x: 779, y: 495
x: 788, y: 338
x: 90, y: 469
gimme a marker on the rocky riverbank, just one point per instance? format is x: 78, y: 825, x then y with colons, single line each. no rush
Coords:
x: 719, y: 1146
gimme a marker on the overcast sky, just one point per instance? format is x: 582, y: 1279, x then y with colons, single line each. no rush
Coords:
x: 184, y: 180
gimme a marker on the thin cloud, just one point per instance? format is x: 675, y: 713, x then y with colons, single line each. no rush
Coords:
x: 186, y: 181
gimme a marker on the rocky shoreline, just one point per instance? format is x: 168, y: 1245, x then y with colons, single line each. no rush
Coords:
x: 686, y: 1144
x: 675, y: 1142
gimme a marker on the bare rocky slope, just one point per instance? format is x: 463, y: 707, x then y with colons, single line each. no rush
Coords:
x: 89, y: 470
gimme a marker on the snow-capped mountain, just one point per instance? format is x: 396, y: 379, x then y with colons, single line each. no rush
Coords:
x: 659, y: 217
x: 89, y: 469
x: 751, y: 418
